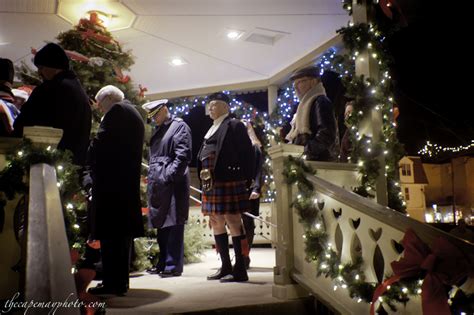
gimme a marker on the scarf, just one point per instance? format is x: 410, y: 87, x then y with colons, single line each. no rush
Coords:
x: 300, y: 123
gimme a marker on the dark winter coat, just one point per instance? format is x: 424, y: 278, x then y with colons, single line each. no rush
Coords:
x: 323, y: 142
x: 60, y: 103
x: 168, y: 175
x: 115, y: 156
x: 235, y: 157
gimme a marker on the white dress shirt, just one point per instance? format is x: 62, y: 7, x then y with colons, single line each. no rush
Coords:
x: 215, y: 125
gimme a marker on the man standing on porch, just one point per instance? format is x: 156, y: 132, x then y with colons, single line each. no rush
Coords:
x: 225, y: 167
x: 314, y: 124
x: 168, y: 186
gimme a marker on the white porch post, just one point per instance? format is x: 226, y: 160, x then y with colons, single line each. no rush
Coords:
x: 272, y: 91
x: 371, y: 125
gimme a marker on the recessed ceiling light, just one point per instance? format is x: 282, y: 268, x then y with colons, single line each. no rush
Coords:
x: 234, y: 35
x: 177, y: 61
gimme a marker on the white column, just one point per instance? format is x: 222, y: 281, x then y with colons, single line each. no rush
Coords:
x: 272, y: 97
x: 372, y: 122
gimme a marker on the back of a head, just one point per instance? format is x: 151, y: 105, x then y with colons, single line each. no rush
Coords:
x: 108, y: 96
x: 7, y: 71
x: 52, y: 56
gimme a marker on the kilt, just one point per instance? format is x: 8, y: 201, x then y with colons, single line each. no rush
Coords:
x: 229, y: 197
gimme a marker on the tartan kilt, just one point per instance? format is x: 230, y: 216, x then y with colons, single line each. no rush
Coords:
x: 229, y: 197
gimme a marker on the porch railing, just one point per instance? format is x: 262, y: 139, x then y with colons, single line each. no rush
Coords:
x: 355, y: 226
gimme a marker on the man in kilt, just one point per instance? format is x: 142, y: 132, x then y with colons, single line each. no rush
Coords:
x: 225, y: 168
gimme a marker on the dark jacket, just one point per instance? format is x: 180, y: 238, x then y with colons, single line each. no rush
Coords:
x: 60, y: 103
x: 323, y: 142
x: 115, y: 156
x: 257, y: 183
x: 168, y: 175
x: 234, y: 159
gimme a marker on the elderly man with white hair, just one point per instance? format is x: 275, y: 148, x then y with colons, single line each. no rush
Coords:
x: 114, y: 160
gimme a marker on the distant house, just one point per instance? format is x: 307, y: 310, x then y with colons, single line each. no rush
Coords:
x: 413, y: 182
x: 451, y: 185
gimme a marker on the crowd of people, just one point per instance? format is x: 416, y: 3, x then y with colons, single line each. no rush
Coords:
x: 229, y: 163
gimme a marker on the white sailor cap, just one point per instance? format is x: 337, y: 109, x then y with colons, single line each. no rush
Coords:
x: 153, y: 107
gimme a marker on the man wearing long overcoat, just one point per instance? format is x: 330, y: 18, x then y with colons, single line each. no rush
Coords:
x: 115, y: 155
x: 168, y: 186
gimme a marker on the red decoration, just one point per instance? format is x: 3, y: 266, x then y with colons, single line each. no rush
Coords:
x: 396, y: 113
x: 119, y: 75
x: 388, y: 6
x: 74, y: 55
x: 443, y: 265
x: 142, y: 89
x: 90, y: 33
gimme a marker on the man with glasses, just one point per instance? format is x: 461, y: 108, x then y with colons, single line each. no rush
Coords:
x: 314, y: 123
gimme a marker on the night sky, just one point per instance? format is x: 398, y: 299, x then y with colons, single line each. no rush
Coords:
x: 428, y: 87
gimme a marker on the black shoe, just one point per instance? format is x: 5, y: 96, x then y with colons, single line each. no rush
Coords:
x: 154, y: 271
x: 103, y: 290
x: 219, y: 274
x: 247, y: 262
x: 169, y: 274
x: 236, y: 278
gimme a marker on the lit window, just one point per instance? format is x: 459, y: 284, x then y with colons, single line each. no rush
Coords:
x: 406, y: 169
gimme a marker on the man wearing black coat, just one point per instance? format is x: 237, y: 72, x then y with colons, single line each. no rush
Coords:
x: 314, y: 124
x: 59, y: 102
x: 168, y: 186
x: 115, y: 156
x: 226, y: 168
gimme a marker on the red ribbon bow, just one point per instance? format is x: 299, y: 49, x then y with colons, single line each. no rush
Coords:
x: 443, y: 265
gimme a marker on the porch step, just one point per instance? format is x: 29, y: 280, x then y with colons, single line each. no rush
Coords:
x: 304, y: 306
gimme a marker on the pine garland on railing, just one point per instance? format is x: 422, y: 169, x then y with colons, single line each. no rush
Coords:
x: 16, y: 172
x: 328, y: 263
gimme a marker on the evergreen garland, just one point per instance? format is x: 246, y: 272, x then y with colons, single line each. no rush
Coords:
x: 349, y: 275
x: 16, y: 172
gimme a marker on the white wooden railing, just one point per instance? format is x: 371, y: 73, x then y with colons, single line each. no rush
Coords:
x: 48, y: 259
x: 45, y: 265
x: 355, y: 226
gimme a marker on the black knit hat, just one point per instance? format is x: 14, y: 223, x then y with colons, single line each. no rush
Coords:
x: 6, y: 70
x: 310, y: 71
x: 219, y: 97
x: 52, y: 56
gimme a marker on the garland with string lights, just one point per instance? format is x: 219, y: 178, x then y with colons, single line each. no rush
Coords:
x: 73, y: 200
x: 432, y: 150
x: 366, y: 94
x: 349, y: 275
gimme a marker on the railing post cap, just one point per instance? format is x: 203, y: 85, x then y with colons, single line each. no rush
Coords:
x: 43, y: 136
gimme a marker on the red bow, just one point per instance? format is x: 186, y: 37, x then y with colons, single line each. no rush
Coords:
x: 92, y: 34
x: 443, y: 265
x: 142, y: 89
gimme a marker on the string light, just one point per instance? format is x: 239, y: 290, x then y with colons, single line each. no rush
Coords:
x: 433, y: 149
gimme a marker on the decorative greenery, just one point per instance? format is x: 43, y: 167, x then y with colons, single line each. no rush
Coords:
x: 16, y: 172
x: 366, y: 94
x: 97, y: 58
x: 328, y: 263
